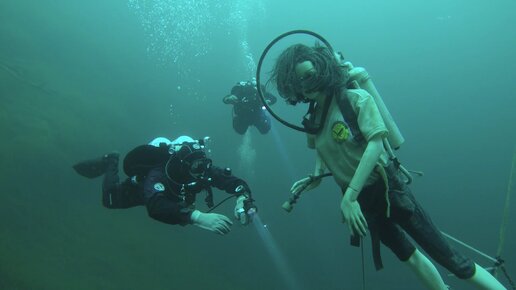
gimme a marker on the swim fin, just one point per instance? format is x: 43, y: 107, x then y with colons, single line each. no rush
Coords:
x: 91, y: 168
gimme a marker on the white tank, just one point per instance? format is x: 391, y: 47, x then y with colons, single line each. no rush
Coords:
x: 156, y: 141
x: 362, y: 79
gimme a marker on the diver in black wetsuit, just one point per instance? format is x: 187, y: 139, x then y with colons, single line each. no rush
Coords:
x: 247, y: 107
x: 166, y: 177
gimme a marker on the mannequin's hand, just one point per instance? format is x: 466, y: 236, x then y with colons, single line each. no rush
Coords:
x: 298, y: 185
x: 353, y: 217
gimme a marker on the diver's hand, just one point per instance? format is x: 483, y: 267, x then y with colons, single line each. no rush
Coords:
x: 239, y: 208
x: 214, y: 222
x: 309, y: 182
x: 231, y: 99
x: 353, y: 216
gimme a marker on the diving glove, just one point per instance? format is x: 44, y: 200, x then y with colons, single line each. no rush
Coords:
x: 214, y: 222
x: 244, y: 209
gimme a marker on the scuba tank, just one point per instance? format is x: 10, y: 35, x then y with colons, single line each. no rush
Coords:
x: 359, y: 78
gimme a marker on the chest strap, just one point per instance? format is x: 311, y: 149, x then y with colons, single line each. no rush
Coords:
x: 349, y: 116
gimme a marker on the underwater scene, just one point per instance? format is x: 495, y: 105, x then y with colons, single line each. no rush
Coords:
x: 83, y: 84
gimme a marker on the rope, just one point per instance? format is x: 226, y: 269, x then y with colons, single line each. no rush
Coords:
x: 506, y: 209
x: 494, y: 260
x: 508, y: 278
x: 363, y: 264
x: 498, y: 261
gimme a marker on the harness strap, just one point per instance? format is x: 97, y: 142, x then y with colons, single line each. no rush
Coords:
x: 384, y: 175
x: 209, y: 197
x: 349, y: 116
x: 375, y: 244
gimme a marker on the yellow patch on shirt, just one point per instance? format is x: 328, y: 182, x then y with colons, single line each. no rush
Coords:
x: 340, y: 131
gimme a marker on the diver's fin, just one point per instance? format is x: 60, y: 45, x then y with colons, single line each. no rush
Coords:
x: 91, y: 168
x: 96, y: 167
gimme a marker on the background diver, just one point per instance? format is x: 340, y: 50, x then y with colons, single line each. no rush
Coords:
x: 247, y: 107
x: 166, y: 177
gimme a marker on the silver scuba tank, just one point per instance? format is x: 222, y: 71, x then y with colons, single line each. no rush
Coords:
x: 362, y: 80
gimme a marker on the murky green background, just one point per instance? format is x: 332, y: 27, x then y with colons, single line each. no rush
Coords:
x: 82, y: 78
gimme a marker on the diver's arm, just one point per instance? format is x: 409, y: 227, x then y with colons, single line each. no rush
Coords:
x: 235, y: 96
x: 349, y: 205
x: 320, y: 166
x: 309, y: 183
x: 230, y: 99
x: 365, y: 167
x: 224, y: 180
x: 159, y: 207
x: 164, y: 210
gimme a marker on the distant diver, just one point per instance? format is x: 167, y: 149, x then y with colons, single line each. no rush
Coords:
x: 247, y: 107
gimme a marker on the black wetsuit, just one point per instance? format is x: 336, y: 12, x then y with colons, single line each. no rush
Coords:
x: 164, y: 199
x: 248, y: 111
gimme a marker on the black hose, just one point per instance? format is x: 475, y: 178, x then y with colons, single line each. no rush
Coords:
x: 259, y: 69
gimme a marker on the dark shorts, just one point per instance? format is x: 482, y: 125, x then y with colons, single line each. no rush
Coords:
x: 408, y: 217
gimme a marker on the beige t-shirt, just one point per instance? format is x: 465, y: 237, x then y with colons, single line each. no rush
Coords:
x: 341, y: 154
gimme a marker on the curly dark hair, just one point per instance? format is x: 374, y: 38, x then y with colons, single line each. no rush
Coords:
x: 330, y: 78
